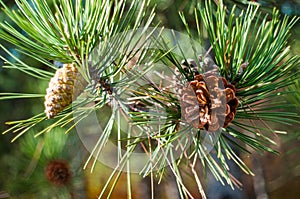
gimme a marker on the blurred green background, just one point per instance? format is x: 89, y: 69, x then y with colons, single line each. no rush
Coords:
x: 23, y: 163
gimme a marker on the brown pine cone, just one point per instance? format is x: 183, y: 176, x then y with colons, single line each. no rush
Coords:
x: 66, y: 85
x: 209, y: 102
x: 58, y: 172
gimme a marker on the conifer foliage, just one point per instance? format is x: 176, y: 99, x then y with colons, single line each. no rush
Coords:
x: 222, y: 101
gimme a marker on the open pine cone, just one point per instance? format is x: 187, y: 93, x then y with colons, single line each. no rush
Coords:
x: 209, y: 102
x: 66, y: 85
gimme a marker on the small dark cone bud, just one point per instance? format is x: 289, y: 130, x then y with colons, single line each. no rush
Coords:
x: 58, y: 172
x: 66, y: 85
x: 206, y: 104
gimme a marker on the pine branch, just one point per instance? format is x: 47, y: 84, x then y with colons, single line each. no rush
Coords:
x: 137, y: 76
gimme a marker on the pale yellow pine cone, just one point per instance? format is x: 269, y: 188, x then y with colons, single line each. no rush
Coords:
x: 66, y: 85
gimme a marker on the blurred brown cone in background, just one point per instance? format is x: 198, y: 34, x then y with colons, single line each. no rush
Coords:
x: 58, y: 172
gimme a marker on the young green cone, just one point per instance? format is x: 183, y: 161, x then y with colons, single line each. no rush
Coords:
x: 66, y: 85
